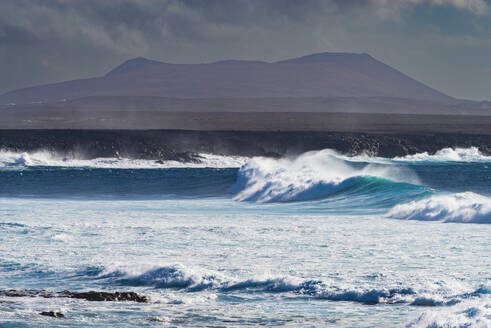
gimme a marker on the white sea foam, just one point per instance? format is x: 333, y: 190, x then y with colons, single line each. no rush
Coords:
x: 197, y: 280
x: 46, y: 158
x: 10, y: 159
x: 313, y: 175
x: 471, y: 313
x: 171, y: 276
x: 471, y: 154
x: 330, y: 257
x: 466, y: 207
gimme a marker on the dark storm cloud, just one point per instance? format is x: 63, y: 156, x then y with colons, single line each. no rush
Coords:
x: 51, y: 40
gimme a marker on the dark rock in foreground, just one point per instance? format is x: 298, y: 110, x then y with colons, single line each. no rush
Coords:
x: 52, y: 314
x: 92, y: 296
x: 105, y: 296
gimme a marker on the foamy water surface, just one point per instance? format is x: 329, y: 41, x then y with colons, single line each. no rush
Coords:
x: 318, y: 240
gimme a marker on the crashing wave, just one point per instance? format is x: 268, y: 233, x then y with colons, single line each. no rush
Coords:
x: 12, y: 159
x: 469, y: 313
x: 466, y: 207
x: 9, y: 159
x: 313, y: 175
x: 165, y: 277
x: 187, y: 280
x: 468, y: 155
x: 471, y: 154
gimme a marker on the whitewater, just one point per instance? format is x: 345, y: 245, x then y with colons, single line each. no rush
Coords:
x: 318, y: 239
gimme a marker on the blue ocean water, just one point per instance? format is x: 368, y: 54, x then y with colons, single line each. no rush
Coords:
x: 317, y: 240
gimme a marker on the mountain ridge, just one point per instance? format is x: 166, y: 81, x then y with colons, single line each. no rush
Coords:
x: 316, y: 75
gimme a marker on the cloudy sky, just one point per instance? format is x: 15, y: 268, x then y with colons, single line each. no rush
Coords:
x: 443, y: 43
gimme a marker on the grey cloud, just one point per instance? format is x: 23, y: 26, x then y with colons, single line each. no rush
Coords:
x: 476, y: 6
x: 51, y: 40
x: 119, y: 24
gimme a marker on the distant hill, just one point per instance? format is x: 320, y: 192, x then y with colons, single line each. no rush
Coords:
x: 324, y: 75
x: 141, y: 88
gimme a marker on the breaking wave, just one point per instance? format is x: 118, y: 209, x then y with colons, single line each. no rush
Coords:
x: 444, y: 155
x: 335, y: 182
x: 187, y: 280
x: 46, y: 158
x: 313, y: 175
x: 469, y: 313
x: 326, y: 175
x: 9, y: 159
x: 471, y: 154
x: 466, y: 207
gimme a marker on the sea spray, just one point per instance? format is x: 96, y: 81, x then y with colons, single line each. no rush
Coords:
x: 466, y: 207
x: 471, y: 154
x: 195, y: 280
x: 47, y: 158
x: 44, y: 158
x: 313, y: 175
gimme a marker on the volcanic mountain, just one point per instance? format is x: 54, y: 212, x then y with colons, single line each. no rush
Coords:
x: 324, y: 75
x: 319, y: 83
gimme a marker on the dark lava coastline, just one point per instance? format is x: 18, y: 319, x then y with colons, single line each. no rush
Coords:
x: 184, y: 145
x: 92, y: 296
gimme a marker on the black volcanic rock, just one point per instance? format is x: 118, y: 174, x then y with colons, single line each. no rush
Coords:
x: 92, y: 296
x: 105, y: 296
x: 320, y: 75
x: 27, y: 293
x: 171, y: 145
x: 52, y: 314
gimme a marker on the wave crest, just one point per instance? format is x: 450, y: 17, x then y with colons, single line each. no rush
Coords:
x: 175, y: 276
x: 46, y: 158
x: 470, y: 313
x: 466, y: 207
x: 188, y: 280
x: 313, y: 175
x: 43, y: 158
x: 472, y: 154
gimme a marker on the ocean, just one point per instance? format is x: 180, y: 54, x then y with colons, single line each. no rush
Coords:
x: 315, y: 240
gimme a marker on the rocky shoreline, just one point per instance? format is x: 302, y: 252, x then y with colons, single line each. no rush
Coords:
x: 181, y: 145
x: 91, y: 296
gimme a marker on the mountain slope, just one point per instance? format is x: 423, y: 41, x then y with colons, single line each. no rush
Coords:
x: 323, y: 75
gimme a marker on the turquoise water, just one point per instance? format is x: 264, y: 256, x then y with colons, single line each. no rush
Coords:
x: 314, y: 241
